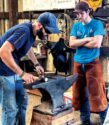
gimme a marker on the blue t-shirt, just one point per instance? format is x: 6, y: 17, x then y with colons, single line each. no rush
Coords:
x: 22, y: 38
x: 80, y: 30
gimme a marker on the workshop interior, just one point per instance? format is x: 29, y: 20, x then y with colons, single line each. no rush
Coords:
x: 50, y: 99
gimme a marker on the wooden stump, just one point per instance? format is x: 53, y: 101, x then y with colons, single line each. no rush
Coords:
x: 63, y: 118
x: 34, y: 99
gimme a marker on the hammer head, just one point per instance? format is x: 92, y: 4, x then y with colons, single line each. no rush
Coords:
x: 43, y: 79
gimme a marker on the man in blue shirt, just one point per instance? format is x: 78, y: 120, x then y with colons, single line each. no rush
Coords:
x: 89, y: 90
x: 14, y: 44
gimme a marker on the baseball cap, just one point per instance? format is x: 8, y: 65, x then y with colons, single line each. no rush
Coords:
x: 81, y: 6
x: 49, y: 21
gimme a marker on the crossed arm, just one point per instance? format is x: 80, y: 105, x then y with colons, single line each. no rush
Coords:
x: 90, y: 42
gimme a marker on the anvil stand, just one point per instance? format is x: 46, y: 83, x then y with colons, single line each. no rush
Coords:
x: 52, y: 106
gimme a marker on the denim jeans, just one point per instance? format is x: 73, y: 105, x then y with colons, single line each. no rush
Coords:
x: 8, y: 103
x: 22, y: 100
x: 8, y: 100
x: 106, y: 122
x: 85, y: 113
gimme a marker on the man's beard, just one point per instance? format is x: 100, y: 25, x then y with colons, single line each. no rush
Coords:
x: 40, y: 34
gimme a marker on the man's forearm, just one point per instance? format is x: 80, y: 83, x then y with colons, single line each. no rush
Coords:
x: 78, y: 42
x: 91, y: 44
x: 95, y: 42
x: 32, y: 57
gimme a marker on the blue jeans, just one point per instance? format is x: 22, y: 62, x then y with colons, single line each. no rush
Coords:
x: 85, y: 112
x: 8, y: 103
x: 22, y: 101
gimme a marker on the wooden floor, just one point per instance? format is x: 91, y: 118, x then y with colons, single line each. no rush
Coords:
x: 76, y: 119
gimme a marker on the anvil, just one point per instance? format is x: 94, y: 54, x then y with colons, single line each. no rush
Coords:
x: 53, y: 90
